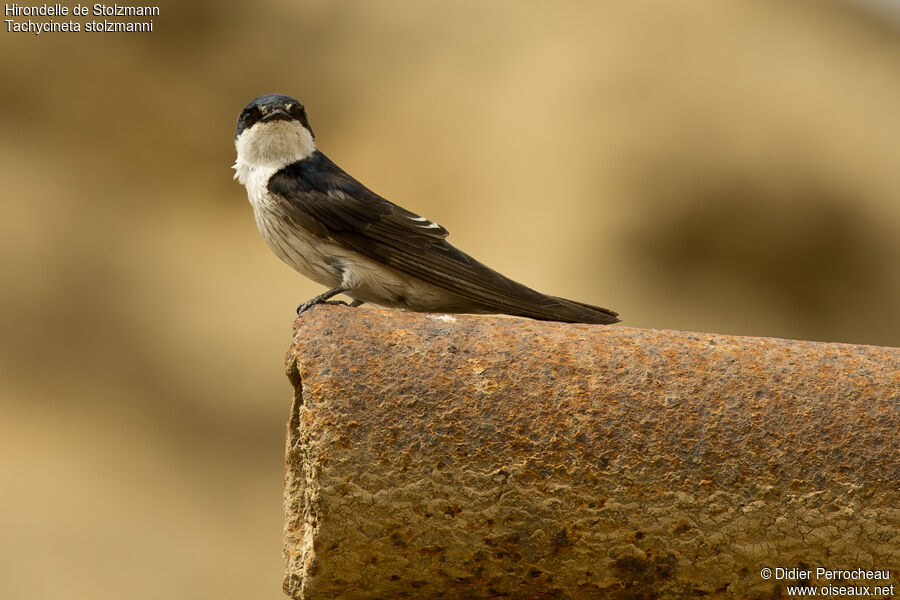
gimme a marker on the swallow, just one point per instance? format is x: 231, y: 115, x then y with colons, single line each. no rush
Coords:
x: 334, y: 230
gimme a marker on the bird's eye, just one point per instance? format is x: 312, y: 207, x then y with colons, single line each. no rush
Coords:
x: 249, y: 116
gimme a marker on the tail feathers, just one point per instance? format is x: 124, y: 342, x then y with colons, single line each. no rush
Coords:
x: 566, y: 311
x: 572, y: 311
x: 588, y: 313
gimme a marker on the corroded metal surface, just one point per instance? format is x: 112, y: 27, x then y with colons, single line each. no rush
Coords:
x: 476, y: 457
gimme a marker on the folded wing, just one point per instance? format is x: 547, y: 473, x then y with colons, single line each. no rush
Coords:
x: 322, y: 198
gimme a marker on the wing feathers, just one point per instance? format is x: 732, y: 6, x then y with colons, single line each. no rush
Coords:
x: 321, y: 197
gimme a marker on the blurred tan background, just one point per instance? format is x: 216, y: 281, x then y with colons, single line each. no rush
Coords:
x: 716, y: 166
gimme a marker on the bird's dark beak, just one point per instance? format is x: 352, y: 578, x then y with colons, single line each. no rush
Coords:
x: 277, y: 114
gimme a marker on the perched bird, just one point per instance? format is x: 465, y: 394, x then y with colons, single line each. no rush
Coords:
x: 332, y: 229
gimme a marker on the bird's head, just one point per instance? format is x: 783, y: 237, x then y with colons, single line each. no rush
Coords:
x: 272, y: 131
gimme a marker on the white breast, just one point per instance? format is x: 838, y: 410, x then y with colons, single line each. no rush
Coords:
x: 309, y: 255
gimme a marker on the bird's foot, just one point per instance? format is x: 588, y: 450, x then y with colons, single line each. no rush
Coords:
x: 321, y: 299
x: 305, y: 307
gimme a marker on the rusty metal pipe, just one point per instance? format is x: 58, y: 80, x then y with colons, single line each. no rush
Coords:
x: 476, y: 457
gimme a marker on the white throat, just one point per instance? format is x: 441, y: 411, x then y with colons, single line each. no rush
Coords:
x: 269, y: 147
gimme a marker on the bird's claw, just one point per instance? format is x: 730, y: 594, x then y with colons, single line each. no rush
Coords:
x: 308, y: 305
x: 305, y: 307
x: 324, y: 299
